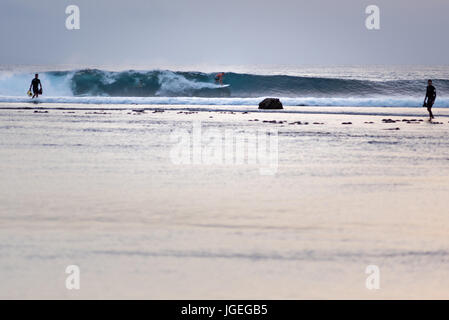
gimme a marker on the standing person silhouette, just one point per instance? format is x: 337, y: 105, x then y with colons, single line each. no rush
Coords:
x: 35, y: 83
x: 429, y: 100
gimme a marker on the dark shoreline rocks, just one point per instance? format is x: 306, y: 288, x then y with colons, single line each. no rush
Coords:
x: 271, y: 104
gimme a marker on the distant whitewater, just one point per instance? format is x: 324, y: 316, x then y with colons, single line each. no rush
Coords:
x: 170, y: 87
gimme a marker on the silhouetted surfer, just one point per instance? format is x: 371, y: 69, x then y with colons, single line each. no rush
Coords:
x: 35, y: 83
x: 219, y: 78
x: 431, y: 95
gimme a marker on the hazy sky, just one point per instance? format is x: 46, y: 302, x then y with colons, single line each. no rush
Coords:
x: 183, y: 32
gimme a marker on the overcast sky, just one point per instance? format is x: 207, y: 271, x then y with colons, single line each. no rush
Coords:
x: 186, y: 32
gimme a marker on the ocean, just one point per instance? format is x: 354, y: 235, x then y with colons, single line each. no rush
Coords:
x: 370, y: 86
x: 157, y: 187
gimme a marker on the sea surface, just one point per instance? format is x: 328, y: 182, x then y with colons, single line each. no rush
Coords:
x: 129, y: 173
x: 103, y: 187
x: 369, y: 86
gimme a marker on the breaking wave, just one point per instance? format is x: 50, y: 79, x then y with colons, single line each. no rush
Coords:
x: 163, y: 86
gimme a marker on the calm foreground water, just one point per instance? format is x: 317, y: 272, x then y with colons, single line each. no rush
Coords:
x: 100, y: 189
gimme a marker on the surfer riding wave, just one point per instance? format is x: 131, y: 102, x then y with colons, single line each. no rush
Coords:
x: 219, y: 78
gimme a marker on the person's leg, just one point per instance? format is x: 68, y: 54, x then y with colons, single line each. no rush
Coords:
x: 430, y: 106
x: 430, y: 112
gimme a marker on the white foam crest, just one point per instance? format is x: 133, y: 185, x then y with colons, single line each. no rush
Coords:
x: 108, y: 77
x: 171, y: 82
x: 17, y: 84
x: 442, y: 102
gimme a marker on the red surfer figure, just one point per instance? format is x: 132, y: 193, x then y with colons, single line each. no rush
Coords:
x: 219, y: 78
x: 431, y: 95
x: 35, y: 83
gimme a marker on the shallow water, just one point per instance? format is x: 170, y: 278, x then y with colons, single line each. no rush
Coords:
x: 98, y: 188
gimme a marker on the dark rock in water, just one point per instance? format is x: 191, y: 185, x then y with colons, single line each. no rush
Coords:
x: 270, y: 121
x: 271, y: 103
x: 187, y: 112
x: 410, y: 120
x: 393, y: 129
x: 299, y: 122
